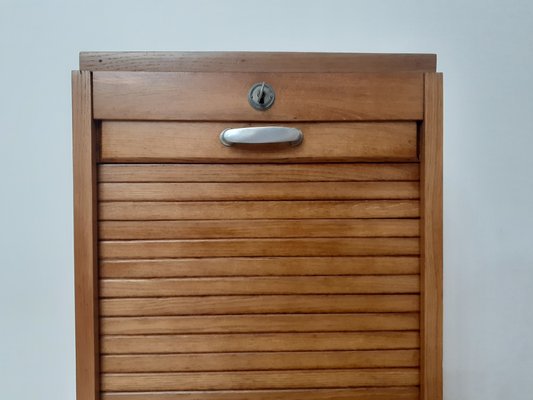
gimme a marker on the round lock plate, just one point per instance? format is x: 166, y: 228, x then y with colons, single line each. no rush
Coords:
x: 261, y: 96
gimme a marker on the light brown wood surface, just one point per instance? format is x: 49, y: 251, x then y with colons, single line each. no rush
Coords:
x: 222, y: 96
x: 257, y: 266
x: 220, y: 305
x: 126, y: 141
x: 199, y: 343
x: 257, y: 191
x: 258, y: 172
x: 259, y: 285
x: 260, y: 323
x: 227, y: 210
x: 173, y: 61
x: 260, y: 361
x: 261, y: 379
x: 85, y: 245
x: 431, y: 240
x: 264, y: 228
x: 290, y: 247
x: 367, y: 393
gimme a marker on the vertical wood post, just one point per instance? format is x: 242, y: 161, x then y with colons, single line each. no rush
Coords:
x: 85, y: 244
x: 431, y: 239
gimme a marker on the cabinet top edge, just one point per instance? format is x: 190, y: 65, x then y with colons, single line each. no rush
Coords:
x: 256, y: 62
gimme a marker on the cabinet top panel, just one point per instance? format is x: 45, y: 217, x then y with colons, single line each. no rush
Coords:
x: 256, y: 62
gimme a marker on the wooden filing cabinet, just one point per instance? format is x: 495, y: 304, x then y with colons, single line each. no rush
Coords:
x: 297, y: 255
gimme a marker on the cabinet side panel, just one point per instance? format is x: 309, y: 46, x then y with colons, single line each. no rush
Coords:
x: 85, y: 245
x: 431, y: 239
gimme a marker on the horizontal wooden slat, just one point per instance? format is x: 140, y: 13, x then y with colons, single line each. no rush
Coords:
x: 257, y: 191
x: 196, y: 229
x: 242, y: 61
x: 259, y: 323
x: 367, y: 393
x: 200, y: 96
x: 260, y: 379
x: 258, y: 247
x: 258, y: 210
x: 260, y: 361
x: 257, y: 172
x: 259, y: 285
x: 280, y: 266
x: 219, y: 305
x: 200, y: 343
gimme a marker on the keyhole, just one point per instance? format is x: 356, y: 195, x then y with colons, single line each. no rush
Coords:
x: 261, y: 96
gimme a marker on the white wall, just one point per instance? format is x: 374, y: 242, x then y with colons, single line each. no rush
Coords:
x: 485, y: 49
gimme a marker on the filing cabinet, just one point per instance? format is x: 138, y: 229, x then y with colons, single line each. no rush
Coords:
x: 258, y: 226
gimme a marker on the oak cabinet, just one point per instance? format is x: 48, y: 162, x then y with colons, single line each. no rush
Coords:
x: 258, y: 226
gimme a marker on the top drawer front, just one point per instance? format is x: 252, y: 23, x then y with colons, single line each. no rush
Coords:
x: 203, y: 96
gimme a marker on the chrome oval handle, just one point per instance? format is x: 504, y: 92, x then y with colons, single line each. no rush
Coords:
x: 261, y: 135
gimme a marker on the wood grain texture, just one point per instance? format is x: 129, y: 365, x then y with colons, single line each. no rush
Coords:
x: 367, y: 393
x: 110, y: 288
x: 260, y: 323
x: 199, y: 343
x: 85, y: 244
x: 212, y: 229
x: 228, y: 210
x: 258, y: 172
x: 261, y: 379
x: 431, y: 240
x: 163, y: 61
x: 200, y: 96
x: 264, y: 272
x: 125, y: 141
x: 256, y: 266
x: 220, y: 305
x: 257, y: 191
x: 260, y: 361
x: 132, y: 249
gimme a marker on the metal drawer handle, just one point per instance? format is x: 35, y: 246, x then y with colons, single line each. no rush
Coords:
x: 261, y: 135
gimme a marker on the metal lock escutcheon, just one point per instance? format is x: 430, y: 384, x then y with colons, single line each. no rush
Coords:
x: 261, y: 96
